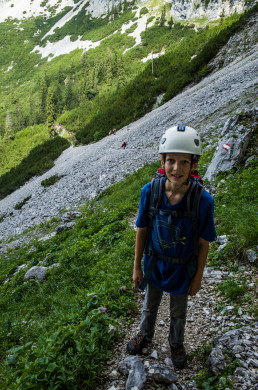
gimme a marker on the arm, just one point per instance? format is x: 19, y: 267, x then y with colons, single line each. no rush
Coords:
x: 195, y: 283
x: 141, y: 236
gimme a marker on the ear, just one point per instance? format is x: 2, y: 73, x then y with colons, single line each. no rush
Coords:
x: 195, y: 165
x: 163, y: 161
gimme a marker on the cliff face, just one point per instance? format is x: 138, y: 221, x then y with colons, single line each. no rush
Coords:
x: 210, y: 9
x: 180, y: 9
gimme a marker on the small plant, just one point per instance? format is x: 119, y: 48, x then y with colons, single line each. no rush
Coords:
x: 143, y: 11
x: 50, y: 181
x: 232, y: 289
x: 19, y: 205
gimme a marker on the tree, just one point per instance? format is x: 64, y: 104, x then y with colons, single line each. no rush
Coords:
x: 43, y: 96
x: 69, y: 94
x: 32, y: 119
x: 51, y: 114
x: 9, y: 133
x: 162, y: 17
x: 121, y: 73
x: 61, y: 75
x: 58, y: 100
x: 108, y: 67
x: 170, y: 22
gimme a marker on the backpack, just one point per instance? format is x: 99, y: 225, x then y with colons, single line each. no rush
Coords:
x: 192, y: 211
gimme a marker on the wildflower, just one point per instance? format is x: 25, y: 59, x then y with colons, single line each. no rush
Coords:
x: 95, y: 296
x: 102, y: 309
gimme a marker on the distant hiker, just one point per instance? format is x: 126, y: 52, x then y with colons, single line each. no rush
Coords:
x: 114, y: 131
x: 174, y: 227
x: 124, y: 144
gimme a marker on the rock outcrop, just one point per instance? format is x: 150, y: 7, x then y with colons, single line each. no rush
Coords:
x: 207, y: 9
x: 232, y: 144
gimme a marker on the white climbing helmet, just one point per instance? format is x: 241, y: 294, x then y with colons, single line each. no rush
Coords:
x: 181, y: 139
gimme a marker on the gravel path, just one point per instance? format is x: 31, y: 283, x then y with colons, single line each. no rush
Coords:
x: 203, y: 323
x: 87, y: 170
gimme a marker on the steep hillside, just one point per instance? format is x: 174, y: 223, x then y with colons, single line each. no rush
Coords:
x: 206, y: 106
x: 67, y: 240
x: 56, y: 63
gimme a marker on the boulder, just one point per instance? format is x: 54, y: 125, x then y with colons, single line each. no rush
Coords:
x: 133, y: 367
x: 230, y: 149
x: 71, y: 215
x: 36, y: 272
x: 162, y: 373
x: 65, y: 226
x: 251, y: 256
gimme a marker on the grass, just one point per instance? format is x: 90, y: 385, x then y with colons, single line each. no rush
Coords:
x: 14, y: 151
x: 39, y: 160
x: 53, y: 332
x: 57, y: 331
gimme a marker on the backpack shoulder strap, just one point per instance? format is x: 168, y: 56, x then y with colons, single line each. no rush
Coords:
x: 193, y: 198
x: 193, y: 207
x: 156, y: 193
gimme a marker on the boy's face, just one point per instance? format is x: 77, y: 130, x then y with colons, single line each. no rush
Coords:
x: 177, y: 167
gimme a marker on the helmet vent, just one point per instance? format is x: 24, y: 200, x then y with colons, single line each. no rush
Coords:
x: 197, y: 142
x: 181, y: 128
x: 163, y: 141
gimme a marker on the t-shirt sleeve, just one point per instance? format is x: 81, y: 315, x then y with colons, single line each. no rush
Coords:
x: 206, y: 228
x: 143, y: 218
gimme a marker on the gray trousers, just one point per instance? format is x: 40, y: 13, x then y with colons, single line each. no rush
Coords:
x: 178, y: 309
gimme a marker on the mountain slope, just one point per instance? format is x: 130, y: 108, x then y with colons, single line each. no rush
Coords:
x: 86, y: 170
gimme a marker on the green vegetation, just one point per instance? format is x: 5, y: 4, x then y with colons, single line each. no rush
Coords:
x: 57, y: 331
x: 138, y: 97
x: 101, y: 89
x: 57, y: 334
x: 19, y: 205
x: 39, y: 160
x: 144, y: 11
x: 13, y: 151
x: 232, y: 289
x: 50, y: 181
x: 235, y: 198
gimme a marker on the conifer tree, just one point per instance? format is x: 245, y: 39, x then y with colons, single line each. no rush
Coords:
x: 51, y: 114
x: 9, y: 133
x: 108, y: 66
x: 162, y: 17
x: 61, y: 75
x: 72, y: 72
x: 32, y: 119
x: 58, y: 101
x: 3, y: 158
x: 121, y: 73
x: 170, y: 22
x: 43, y: 96
x: 69, y: 94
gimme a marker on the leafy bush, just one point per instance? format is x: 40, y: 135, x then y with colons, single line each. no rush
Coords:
x: 233, y: 289
x: 50, y: 181
x: 19, y: 205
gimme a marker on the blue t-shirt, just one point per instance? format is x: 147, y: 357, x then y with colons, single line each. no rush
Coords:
x: 174, y: 239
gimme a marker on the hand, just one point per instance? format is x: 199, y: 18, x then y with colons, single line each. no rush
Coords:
x: 194, y: 286
x: 137, y: 277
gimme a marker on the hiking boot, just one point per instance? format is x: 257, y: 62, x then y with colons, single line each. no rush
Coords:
x: 136, y: 345
x: 178, y: 356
